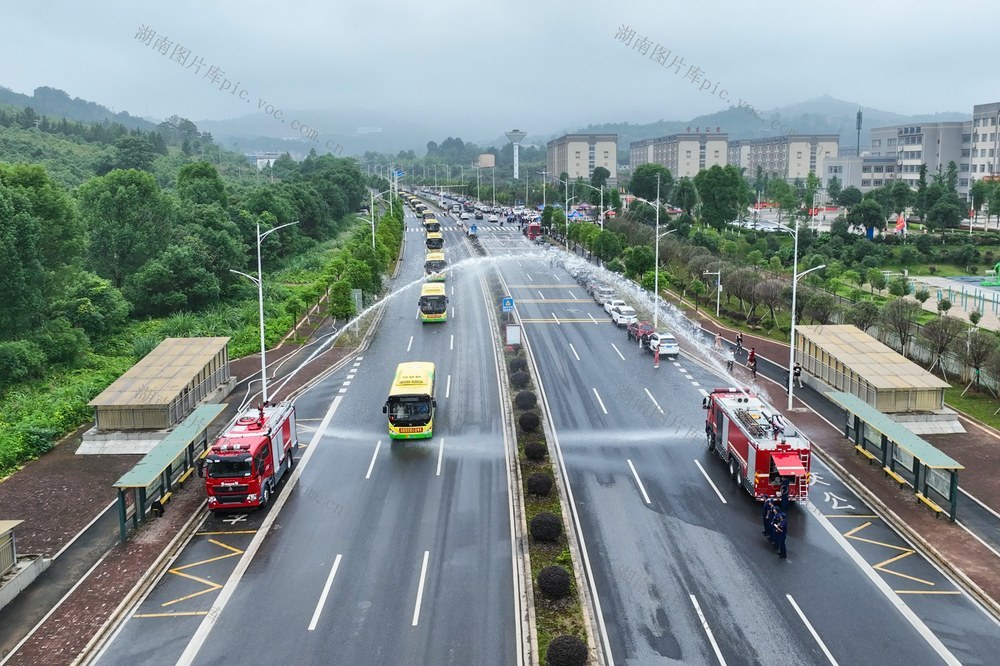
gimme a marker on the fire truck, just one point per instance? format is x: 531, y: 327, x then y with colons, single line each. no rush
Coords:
x: 243, y: 467
x: 764, y: 451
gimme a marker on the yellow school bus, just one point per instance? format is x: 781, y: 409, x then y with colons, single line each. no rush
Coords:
x: 434, y: 265
x: 435, y: 240
x: 411, y: 405
x: 433, y: 302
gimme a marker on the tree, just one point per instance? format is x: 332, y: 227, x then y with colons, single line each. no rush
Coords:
x: 868, y: 214
x: 833, y: 188
x: 685, y: 195
x: 977, y: 351
x: 92, y: 304
x: 851, y: 196
x: 643, y: 182
x: 876, y: 279
x: 173, y: 282
x: 920, y: 205
x: 607, y: 245
x: 21, y: 270
x: 941, y: 334
x: 901, y: 196
x: 783, y: 194
x: 638, y: 259
x: 922, y: 294
x: 951, y: 177
x: 943, y: 306
x: 134, y: 152
x: 945, y: 214
x: 864, y: 315
x: 821, y: 307
x: 129, y: 220
x: 898, y: 316
x: 719, y: 190
x: 770, y: 293
x: 341, y: 303
x: 614, y: 202
x: 599, y: 177
x: 200, y: 183
x: 697, y: 288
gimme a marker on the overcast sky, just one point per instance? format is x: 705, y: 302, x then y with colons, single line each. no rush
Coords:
x: 482, y: 67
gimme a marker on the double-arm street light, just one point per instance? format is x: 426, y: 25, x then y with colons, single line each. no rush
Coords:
x: 601, y: 190
x: 372, y: 222
x: 656, y: 260
x: 259, y: 281
x: 718, y: 288
x: 795, y: 283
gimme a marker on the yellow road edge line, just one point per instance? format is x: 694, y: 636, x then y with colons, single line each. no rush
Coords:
x: 848, y: 535
x: 179, y: 571
x: 881, y: 567
x: 905, y: 551
x: 927, y: 592
x: 178, y: 614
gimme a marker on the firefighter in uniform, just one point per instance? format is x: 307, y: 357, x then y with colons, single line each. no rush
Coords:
x: 784, y: 497
x: 780, y: 528
x: 767, y: 514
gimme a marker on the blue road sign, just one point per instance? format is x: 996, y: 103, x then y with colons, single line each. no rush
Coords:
x: 507, y: 304
x: 399, y: 173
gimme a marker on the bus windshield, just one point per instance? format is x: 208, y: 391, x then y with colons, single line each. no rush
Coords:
x: 433, y: 304
x: 432, y: 225
x: 435, y: 265
x: 409, y: 410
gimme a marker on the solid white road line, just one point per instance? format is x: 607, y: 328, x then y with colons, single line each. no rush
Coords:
x: 556, y: 318
x: 978, y: 538
x: 592, y: 318
x: 653, y: 399
x: 201, y: 634
x: 440, y: 456
x: 87, y: 527
x: 572, y: 294
x: 447, y: 388
x: 710, y: 482
x: 708, y: 631
x: 371, y: 465
x: 420, y: 588
x: 601, y: 402
x: 453, y: 312
x: 326, y: 591
x: 409, y: 344
x: 451, y: 344
x: 541, y: 295
x: 812, y: 631
x: 883, y: 587
x: 613, y: 346
x: 528, y: 275
x: 703, y: 392
x: 979, y: 502
x: 573, y: 349
x: 642, y: 488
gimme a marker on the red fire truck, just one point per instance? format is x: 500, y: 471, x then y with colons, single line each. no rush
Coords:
x: 764, y: 451
x: 533, y: 230
x: 244, y: 466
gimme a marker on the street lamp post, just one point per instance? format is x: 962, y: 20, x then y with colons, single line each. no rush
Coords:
x: 656, y: 260
x: 373, y: 195
x: 791, y: 347
x: 259, y: 281
x: 494, y: 187
x: 718, y: 288
x: 601, y: 190
x: 478, y: 181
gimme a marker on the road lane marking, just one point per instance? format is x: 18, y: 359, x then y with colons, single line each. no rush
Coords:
x: 927, y: 591
x: 541, y: 295
x: 210, y: 586
x: 371, y: 465
x: 613, y: 346
x: 572, y: 294
x: 642, y: 488
x: 976, y: 536
x: 346, y: 383
x: 451, y: 344
x: 708, y: 631
x: 652, y: 398
x: 410, y: 344
x: 812, y: 631
x: 528, y: 276
x: 710, y: 482
x: 420, y: 588
x: 556, y: 318
x: 695, y: 384
x: 204, y: 629
x: 440, y: 456
x: 592, y: 318
x: 447, y: 388
x: 703, y: 392
x: 573, y: 349
x: 177, y: 614
x: 326, y: 591
x: 598, y: 395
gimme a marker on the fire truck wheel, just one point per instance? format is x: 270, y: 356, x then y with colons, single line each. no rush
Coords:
x: 711, y: 442
x: 734, y: 470
x: 265, y: 495
x: 291, y: 460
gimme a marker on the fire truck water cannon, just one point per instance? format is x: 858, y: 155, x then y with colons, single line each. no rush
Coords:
x: 764, y: 450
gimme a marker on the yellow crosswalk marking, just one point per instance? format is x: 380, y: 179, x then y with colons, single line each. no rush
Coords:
x: 211, y: 586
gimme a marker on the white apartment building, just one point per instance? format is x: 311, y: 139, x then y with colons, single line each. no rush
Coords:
x: 933, y: 144
x: 579, y: 154
x: 865, y: 173
x: 982, y: 159
x: 683, y: 154
x: 640, y: 152
x: 788, y: 157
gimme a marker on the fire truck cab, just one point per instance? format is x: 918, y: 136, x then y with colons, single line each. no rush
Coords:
x: 764, y: 450
x: 243, y: 467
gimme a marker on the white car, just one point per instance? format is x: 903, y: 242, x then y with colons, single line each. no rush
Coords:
x: 466, y: 216
x: 494, y: 218
x: 623, y: 315
x: 666, y: 343
x: 603, y: 294
x: 612, y: 303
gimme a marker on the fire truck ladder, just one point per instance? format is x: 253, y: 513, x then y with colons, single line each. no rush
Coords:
x: 751, y: 424
x: 804, y: 480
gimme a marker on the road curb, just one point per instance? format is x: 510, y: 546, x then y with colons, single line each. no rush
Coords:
x: 148, y: 580
x: 901, y: 527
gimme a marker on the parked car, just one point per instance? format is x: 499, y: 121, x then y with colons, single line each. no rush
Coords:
x: 593, y: 284
x: 666, y: 343
x: 466, y: 216
x: 612, y: 303
x: 603, y: 295
x: 639, y: 330
x: 622, y: 315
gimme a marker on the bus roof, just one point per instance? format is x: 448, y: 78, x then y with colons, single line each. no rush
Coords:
x: 436, y: 255
x: 434, y: 234
x: 413, y: 378
x: 433, y: 289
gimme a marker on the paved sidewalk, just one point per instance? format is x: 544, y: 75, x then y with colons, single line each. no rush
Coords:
x: 948, y: 544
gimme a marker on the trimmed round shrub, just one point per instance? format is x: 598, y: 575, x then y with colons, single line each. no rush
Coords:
x: 539, y: 483
x: 535, y: 451
x: 529, y: 421
x: 518, y: 363
x: 519, y: 379
x: 525, y: 400
x: 554, y: 582
x: 546, y: 527
x: 566, y: 651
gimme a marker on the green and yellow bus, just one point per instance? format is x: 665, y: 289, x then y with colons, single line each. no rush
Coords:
x: 435, y: 240
x: 411, y: 405
x: 434, y: 265
x: 433, y: 302
x: 431, y: 224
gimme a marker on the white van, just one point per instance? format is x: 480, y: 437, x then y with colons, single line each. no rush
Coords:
x: 603, y: 294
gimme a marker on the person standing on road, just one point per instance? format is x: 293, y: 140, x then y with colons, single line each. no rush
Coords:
x: 656, y: 357
x: 797, y: 374
x: 783, y: 502
x: 718, y: 341
x: 752, y: 356
x: 739, y: 341
x: 780, y: 530
x: 753, y: 370
x: 767, y: 514
x: 731, y: 361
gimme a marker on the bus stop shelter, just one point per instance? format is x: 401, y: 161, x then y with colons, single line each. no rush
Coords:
x: 150, y: 483
x: 905, y: 457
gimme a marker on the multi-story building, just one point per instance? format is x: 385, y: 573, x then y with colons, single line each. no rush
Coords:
x: 933, y: 144
x: 640, y: 152
x: 683, y: 154
x: 789, y: 156
x: 982, y: 158
x: 865, y: 173
x: 579, y: 154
